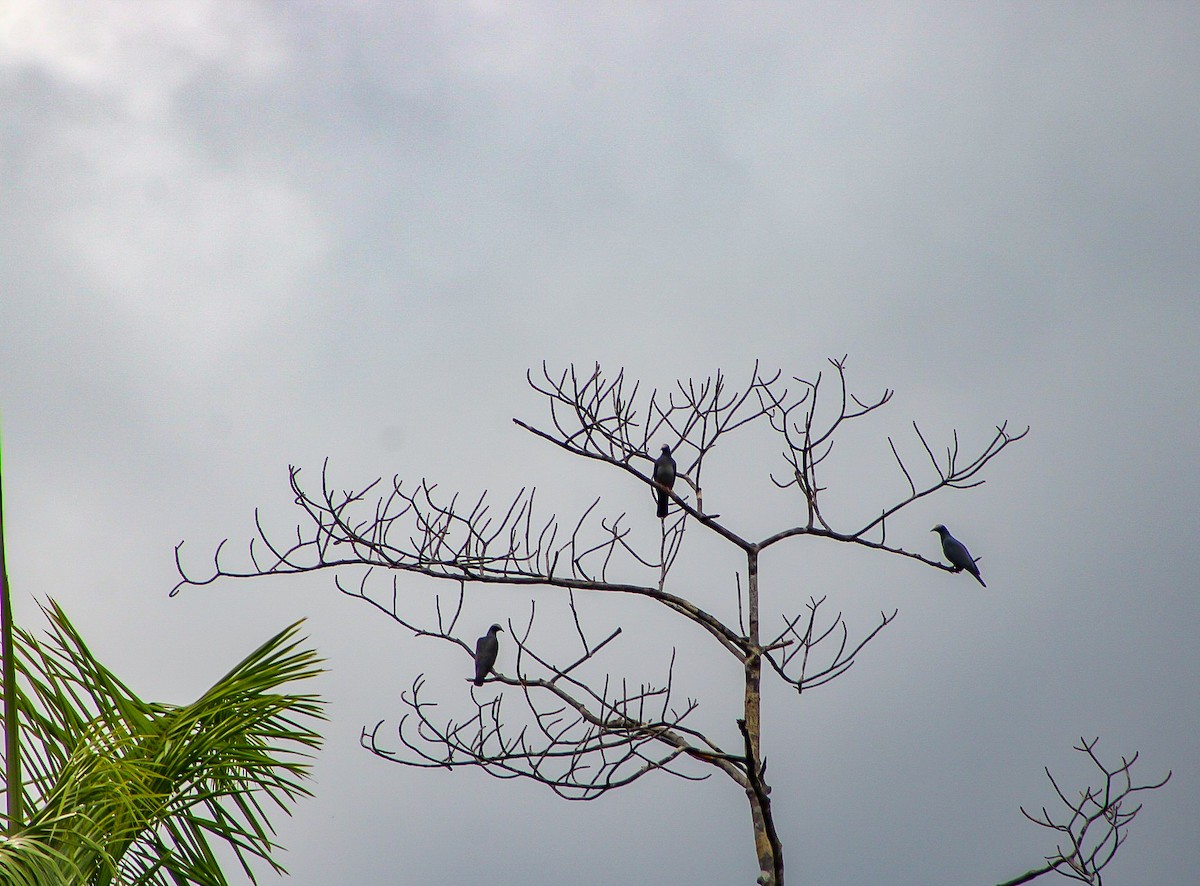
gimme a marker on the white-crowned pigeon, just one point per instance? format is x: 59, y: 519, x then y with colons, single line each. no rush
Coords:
x: 956, y: 552
x: 664, y: 475
x: 487, y: 648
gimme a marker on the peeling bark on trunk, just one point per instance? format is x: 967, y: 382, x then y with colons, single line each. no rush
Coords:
x: 766, y: 843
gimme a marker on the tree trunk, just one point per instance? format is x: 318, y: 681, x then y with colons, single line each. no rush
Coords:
x: 766, y: 842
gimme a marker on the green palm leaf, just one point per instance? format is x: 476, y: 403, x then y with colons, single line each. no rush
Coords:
x: 124, y: 791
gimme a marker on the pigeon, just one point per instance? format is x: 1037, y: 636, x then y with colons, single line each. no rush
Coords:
x: 956, y: 552
x: 486, y: 649
x: 664, y: 475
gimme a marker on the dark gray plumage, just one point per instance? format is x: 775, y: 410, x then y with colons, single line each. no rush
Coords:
x: 487, y: 648
x: 956, y: 552
x: 664, y: 475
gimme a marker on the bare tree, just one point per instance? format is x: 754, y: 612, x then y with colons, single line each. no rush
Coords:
x: 1094, y: 826
x: 570, y: 725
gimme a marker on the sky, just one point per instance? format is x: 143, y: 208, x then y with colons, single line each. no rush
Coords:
x: 236, y: 236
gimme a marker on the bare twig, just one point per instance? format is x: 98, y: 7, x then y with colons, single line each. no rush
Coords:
x: 1094, y: 825
x: 797, y: 644
x: 579, y: 741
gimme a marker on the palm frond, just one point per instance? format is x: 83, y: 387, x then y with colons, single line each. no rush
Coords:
x: 135, y: 792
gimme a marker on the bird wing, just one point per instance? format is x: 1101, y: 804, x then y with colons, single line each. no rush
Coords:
x: 957, y: 553
x: 664, y: 470
x: 486, y: 649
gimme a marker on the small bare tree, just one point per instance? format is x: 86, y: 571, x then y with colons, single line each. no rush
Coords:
x: 1093, y: 827
x: 575, y: 728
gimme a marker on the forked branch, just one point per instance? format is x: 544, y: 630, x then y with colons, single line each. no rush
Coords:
x: 807, y: 425
x: 418, y: 529
x: 601, y: 418
x: 808, y: 434
x: 792, y: 652
x: 1093, y: 824
x: 580, y: 739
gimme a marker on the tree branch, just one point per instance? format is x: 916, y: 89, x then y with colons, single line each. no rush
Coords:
x: 1097, y: 823
x: 579, y: 741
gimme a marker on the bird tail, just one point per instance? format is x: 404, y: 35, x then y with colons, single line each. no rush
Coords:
x: 979, y: 579
x: 478, y: 681
x: 662, y: 504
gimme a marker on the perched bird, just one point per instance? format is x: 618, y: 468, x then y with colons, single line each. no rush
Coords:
x: 664, y: 475
x: 956, y: 552
x: 486, y: 649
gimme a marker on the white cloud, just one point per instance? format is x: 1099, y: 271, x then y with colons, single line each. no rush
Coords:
x: 140, y: 53
x: 189, y: 248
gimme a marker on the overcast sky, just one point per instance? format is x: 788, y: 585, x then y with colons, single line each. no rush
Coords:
x: 239, y: 235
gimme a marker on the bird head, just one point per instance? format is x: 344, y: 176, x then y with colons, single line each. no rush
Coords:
x: 939, y: 529
x: 494, y: 628
x: 666, y: 449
